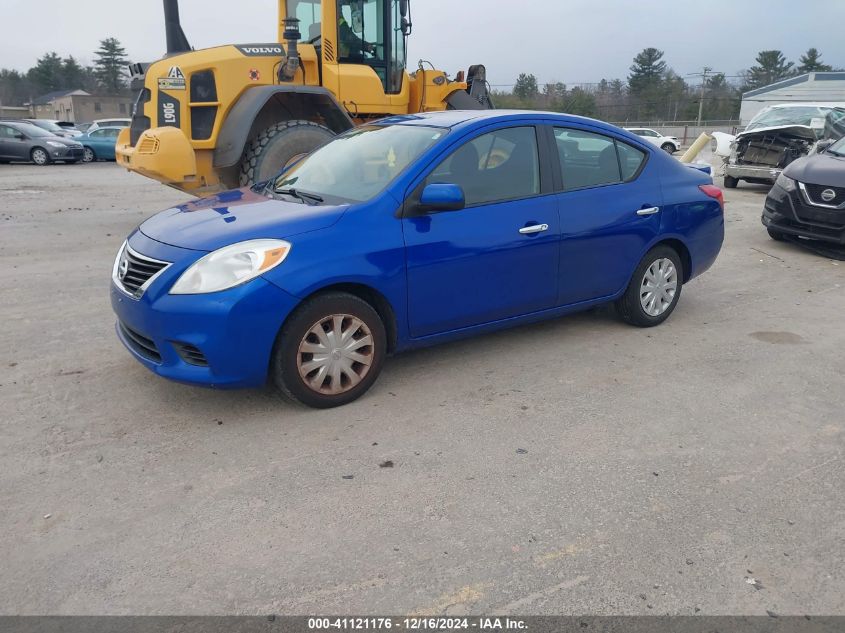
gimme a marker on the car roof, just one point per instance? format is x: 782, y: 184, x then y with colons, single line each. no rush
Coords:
x: 461, y: 118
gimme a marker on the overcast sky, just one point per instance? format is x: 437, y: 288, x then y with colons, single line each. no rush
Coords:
x: 573, y: 41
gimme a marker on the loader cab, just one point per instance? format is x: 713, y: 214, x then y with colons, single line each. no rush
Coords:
x: 361, y: 45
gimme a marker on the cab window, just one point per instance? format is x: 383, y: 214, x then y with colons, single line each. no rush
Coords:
x: 497, y: 166
x: 309, y: 16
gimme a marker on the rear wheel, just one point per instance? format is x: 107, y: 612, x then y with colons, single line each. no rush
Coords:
x: 271, y: 150
x: 88, y: 155
x: 730, y: 182
x: 40, y: 156
x: 668, y: 148
x: 330, y: 351
x: 654, y: 289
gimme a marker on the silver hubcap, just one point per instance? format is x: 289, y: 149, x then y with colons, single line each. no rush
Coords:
x: 39, y: 157
x: 88, y: 155
x: 658, y: 288
x: 336, y: 354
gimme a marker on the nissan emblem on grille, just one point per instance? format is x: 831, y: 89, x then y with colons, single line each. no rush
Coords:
x: 828, y: 195
x: 123, y: 268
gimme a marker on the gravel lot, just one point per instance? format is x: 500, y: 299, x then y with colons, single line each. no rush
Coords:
x: 577, y: 466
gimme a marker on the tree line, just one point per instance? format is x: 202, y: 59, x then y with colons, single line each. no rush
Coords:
x: 108, y: 75
x: 654, y: 91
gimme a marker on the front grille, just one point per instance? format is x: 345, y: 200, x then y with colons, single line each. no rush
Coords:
x: 134, y: 270
x: 814, y: 193
x: 148, y: 146
x: 191, y: 354
x: 139, y: 343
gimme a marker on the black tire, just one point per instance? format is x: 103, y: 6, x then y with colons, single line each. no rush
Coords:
x: 669, y: 148
x: 71, y: 162
x: 777, y: 236
x: 265, y: 156
x: 285, y: 362
x: 40, y: 156
x: 730, y: 182
x: 630, y: 307
x: 88, y: 155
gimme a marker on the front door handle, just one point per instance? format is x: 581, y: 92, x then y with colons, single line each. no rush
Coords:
x: 649, y: 211
x: 534, y: 228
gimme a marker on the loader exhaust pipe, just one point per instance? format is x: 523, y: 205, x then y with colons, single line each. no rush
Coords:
x: 292, y: 63
x: 176, y: 40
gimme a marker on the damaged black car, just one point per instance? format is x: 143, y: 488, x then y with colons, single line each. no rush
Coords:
x: 808, y: 199
x: 776, y: 137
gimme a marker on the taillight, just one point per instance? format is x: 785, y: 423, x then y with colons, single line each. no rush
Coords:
x: 714, y: 192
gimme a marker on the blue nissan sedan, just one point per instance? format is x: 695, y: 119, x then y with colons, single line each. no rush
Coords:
x: 411, y: 231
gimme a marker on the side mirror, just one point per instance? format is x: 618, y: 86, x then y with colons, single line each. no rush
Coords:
x: 442, y: 197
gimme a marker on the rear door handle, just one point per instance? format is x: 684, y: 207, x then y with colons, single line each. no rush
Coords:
x: 649, y: 211
x: 534, y: 228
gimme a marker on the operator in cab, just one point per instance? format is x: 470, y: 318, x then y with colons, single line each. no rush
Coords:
x: 351, y: 45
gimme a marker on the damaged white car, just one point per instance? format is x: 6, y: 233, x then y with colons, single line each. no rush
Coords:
x: 777, y: 136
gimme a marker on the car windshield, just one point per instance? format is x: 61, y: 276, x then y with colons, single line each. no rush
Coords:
x: 810, y: 116
x: 838, y: 148
x: 361, y: 163
x: 49, y: 126
x: 32, y: 130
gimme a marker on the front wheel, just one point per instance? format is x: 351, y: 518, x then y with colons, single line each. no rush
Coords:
x: 40, y: 156
x: 654, y: 289
x: 669, y: 148
x: 330, y: 351
x: 271, y: 150
x: 88, y: 155
x: 730, y: 182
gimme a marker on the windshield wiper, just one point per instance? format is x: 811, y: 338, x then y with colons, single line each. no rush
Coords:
x: 311, y: 198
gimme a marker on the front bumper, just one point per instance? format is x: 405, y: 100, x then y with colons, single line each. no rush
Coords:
x: 789, y: 213
x: 221, y: 340
x: 751, y: 172
x: 66, y: 153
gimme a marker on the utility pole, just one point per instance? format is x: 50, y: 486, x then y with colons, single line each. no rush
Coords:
x: 704, y: 72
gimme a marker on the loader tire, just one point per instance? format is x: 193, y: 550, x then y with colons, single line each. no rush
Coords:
x: 269, y: 152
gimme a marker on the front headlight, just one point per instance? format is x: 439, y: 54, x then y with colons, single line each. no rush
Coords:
x: 785, y: 182
x: 54, y: 144
x: 231, y: 266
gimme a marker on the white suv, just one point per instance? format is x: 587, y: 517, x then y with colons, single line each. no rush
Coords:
x: 668, y: 144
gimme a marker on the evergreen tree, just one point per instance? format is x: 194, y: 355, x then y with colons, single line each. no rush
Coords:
x: 110, y: 66
x: 73, y: 75
x: 526, y: 87
x: 811, y: 62
x: 646, y: 81
x: 771, y: 67
x: 48, y: 73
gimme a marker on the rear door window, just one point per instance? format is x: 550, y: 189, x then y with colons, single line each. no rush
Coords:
x: 588, y: 159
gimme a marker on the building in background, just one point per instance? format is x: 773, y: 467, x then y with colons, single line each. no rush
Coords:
x: 821, y: 88
x: 79, y: 106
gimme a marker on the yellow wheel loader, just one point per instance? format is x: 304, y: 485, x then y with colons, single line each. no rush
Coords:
x: 225, y: 117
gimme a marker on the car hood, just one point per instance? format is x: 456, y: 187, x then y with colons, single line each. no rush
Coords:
x: 802, y: 131
x: 235, y: 216
x: 818, y: 169
x: 58, y: 139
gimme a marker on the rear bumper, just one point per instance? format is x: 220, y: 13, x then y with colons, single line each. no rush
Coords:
x: 743, y: 172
